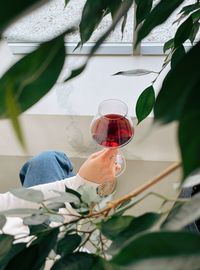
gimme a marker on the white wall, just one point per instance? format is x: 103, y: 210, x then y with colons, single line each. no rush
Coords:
x: 82, y: 95
x: 53, y: 123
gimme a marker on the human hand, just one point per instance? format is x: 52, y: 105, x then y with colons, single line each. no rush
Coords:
x: 100, y: 166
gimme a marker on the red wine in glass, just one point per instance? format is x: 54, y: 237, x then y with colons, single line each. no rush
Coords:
x: 112, y: 130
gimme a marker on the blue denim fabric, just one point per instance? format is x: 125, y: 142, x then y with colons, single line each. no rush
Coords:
x: 45, y: 168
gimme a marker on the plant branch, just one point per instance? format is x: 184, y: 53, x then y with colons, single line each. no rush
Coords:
x: 113, y: 204
x: 102, y: 245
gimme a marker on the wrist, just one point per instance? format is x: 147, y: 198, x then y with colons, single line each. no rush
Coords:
x: 83, y: 181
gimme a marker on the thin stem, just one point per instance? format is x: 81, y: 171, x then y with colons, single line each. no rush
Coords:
x: 94, y: 245
x: 71, y: 215
x: 165, y: 199
x: 102, y: 245
x: 87, y: 238
x: 146, y: 185
x: 90, y: 232
x: 158, y: 74
x: 166, y: 61
x: 49, y: 210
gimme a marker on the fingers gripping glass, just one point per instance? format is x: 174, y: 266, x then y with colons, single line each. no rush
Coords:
x: 112, y: 128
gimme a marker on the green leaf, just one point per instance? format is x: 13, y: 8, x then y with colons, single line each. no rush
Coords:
x: 8, y: 14
x: 179, y: 19
x: 5, y: 245
x: 189, y: 8
x: 13, y: 112
x: 137, y: 226
x: 89, y: 194
x: 102, y: 264
x: 184, y: 215
x: 114, y: 6
x: 158, y: 15
x: 176, y: 87
x: 56, y: 218
x: 135, y: 72
x: 82, y: 209
x: 34, y: 75
x: 124, y: 8
x: 194, y: 31
x: 34, y: 256
x: 167, y: 59
x: 55, y: 206
x: 145, y: 103
x: 183, y: 32
x: 76, y: 72
x: 114, y: 226
x: 38, y: 229
x: 123, y: 25
x: 126, y: 5
x: 35, y: 219
x: 66, y: 2
x: 120, y: 229
x: 92, y: 14
x: 168, y: 45
x: 21, y: 212
x: 31, y: 195
x: 2, y: 221
x: 189, y: 132
x: 24, y: 260
x: 75, y: 261
x: 196, y: 16
x: 143, y: 8
x: 166, y: 250
x: 74, y: 192
x: 68, y: 244
x: 14, y: 250
x: 177, y: 55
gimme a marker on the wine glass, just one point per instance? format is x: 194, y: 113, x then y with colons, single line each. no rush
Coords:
x: 112, y: 128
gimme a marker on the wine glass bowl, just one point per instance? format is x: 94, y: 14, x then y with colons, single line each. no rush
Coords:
x: 112, y: 131
x: 112, y: 127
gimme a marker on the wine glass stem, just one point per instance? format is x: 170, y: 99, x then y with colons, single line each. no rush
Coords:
x: 120, y: 160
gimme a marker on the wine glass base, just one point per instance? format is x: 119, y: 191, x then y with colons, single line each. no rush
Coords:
x: 107, y: 188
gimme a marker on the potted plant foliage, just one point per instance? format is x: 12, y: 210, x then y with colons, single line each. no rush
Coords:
x: 117, y: 240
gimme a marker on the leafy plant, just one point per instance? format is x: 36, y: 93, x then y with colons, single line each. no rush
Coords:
x: 119, y: 241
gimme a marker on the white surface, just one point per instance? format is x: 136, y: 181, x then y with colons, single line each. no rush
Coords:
x: 105, y: 49
x: 108, y: 49
x: 82, y: 95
